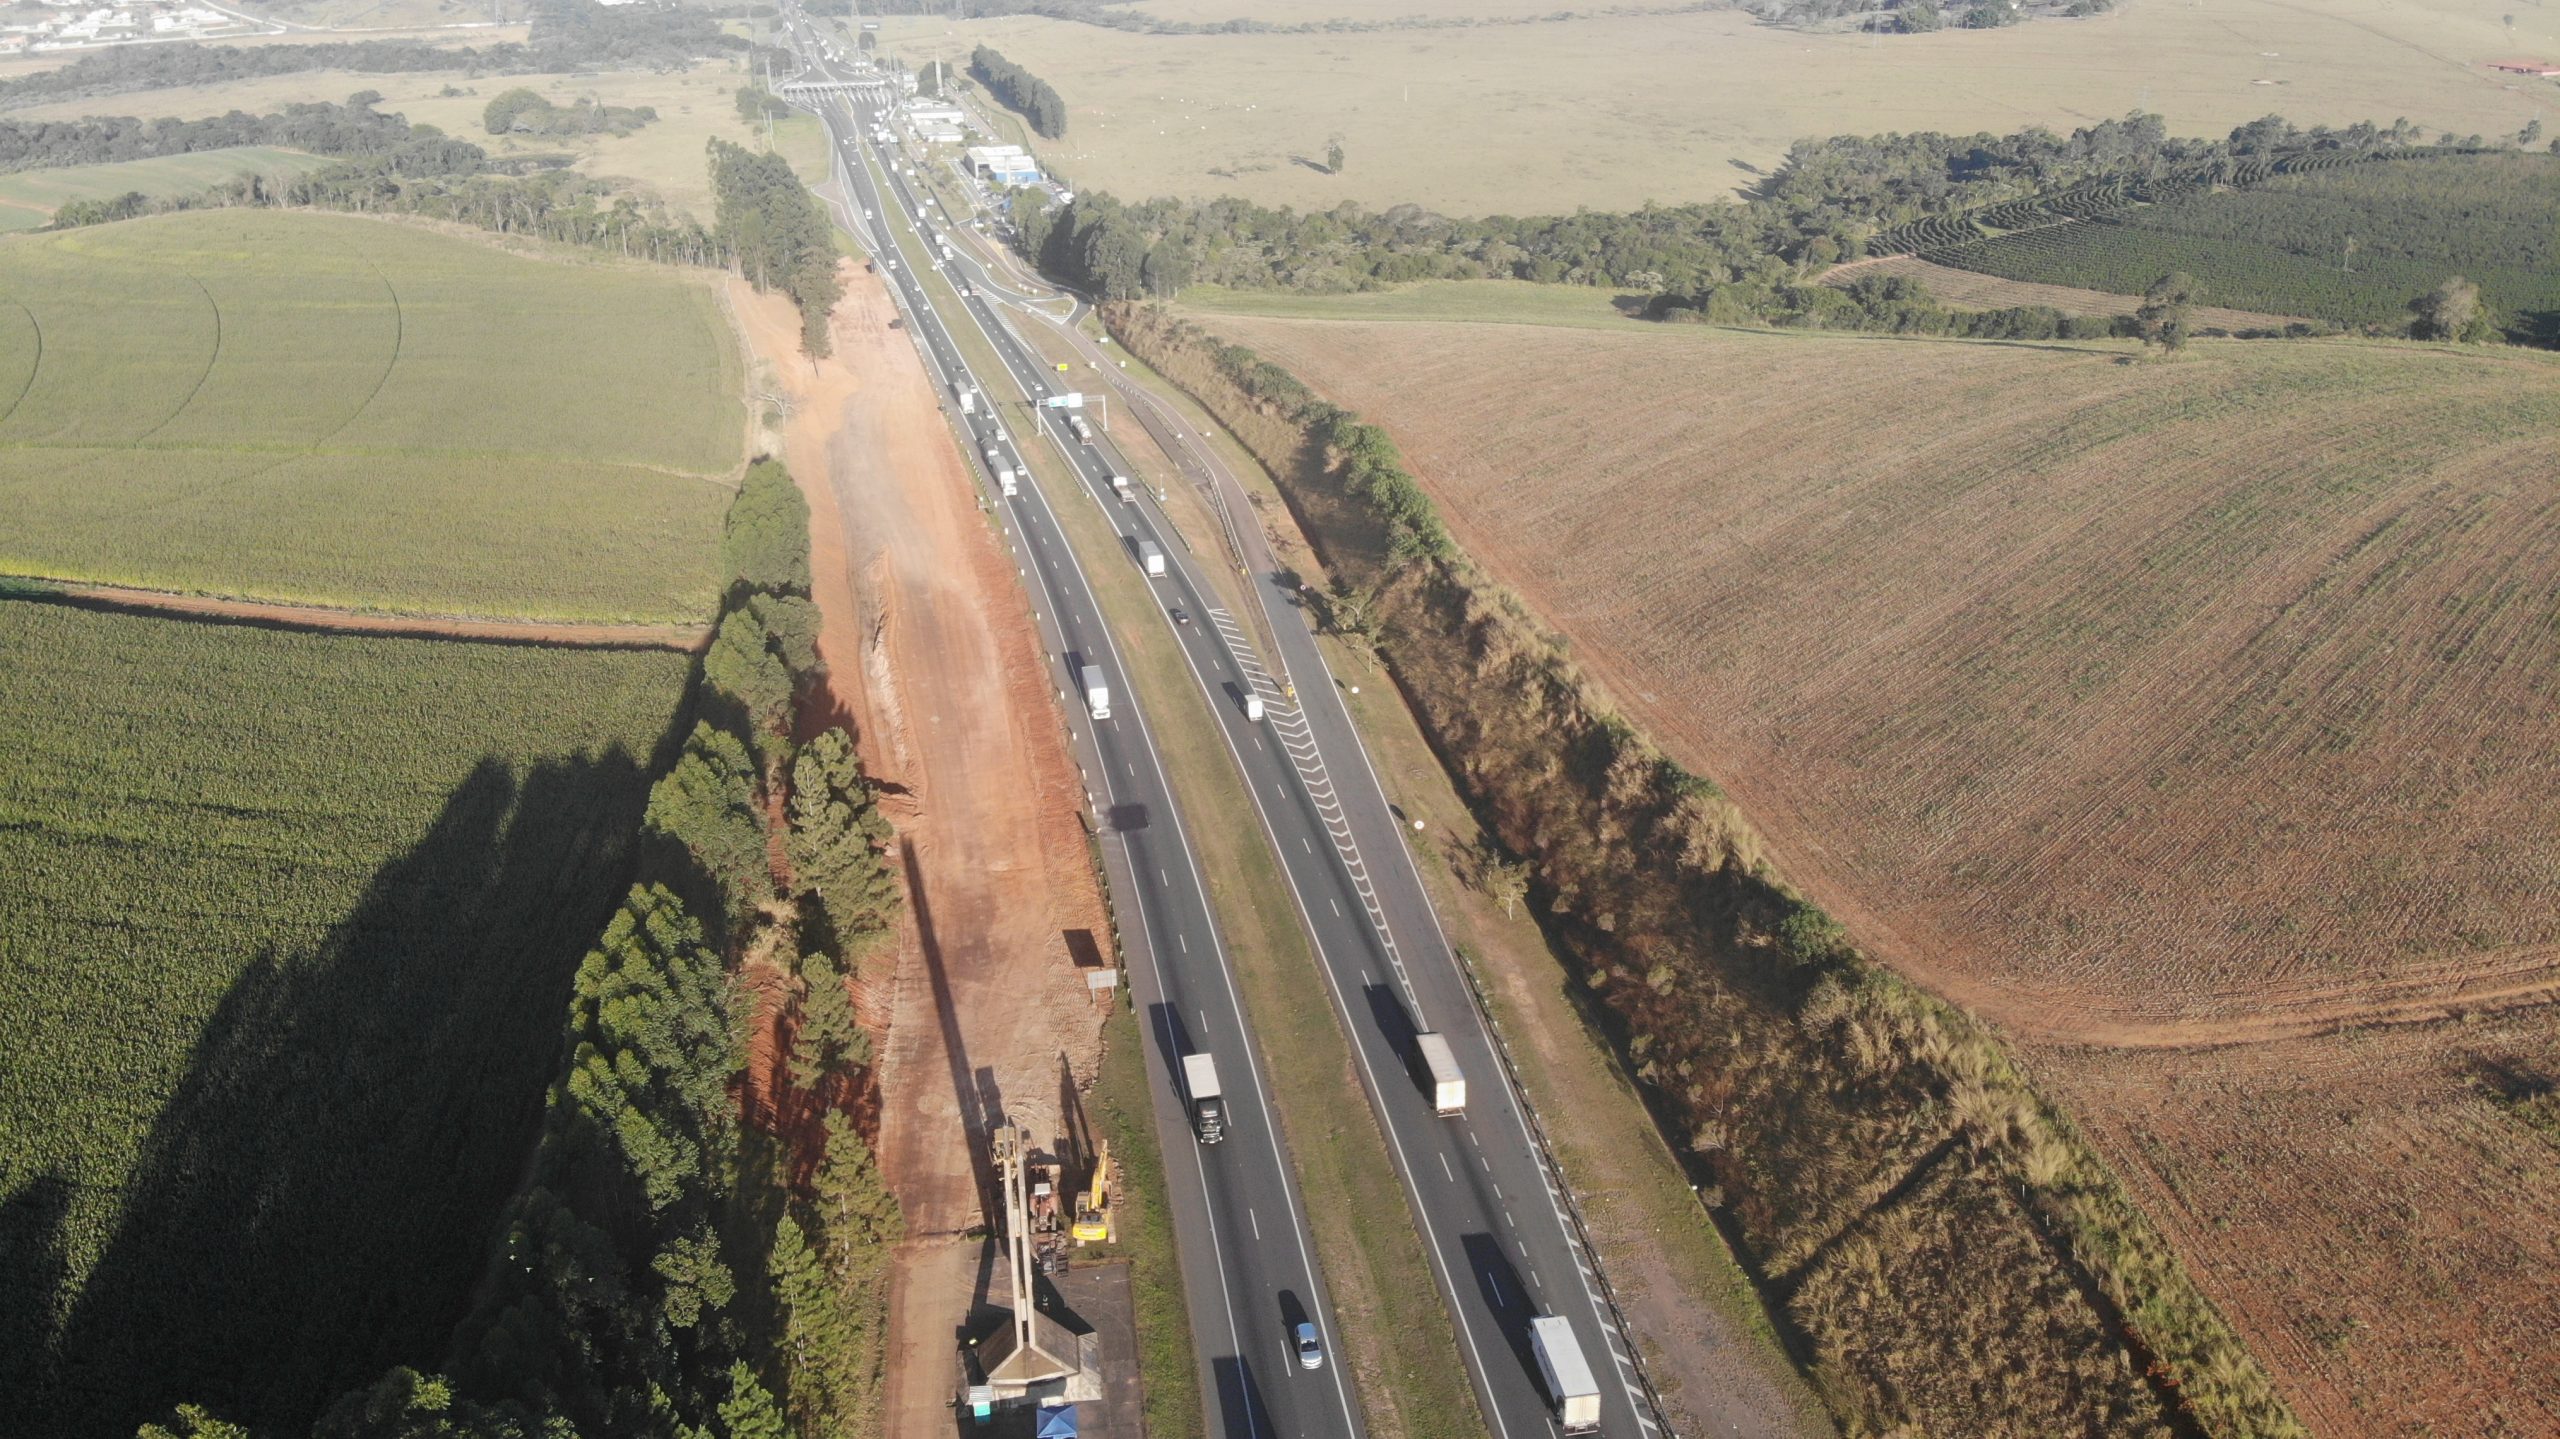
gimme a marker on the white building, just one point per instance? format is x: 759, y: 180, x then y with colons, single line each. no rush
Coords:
x: 1004, y: 164
x: 930, y: 112
x: 938, y: 132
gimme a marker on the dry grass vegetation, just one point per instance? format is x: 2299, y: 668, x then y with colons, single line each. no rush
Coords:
x: 1819, y: 1101
x: 2183, y: 719
x: 694, y: 105
x: 29, y: 197
x: 1966, y: 290
x: 342, y: 411
x: 1533, y: 119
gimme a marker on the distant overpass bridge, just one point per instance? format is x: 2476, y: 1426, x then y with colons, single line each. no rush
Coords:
x: 868, y: 87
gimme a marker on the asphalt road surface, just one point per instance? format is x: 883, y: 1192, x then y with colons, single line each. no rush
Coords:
x: 1503, y: 1248
x: 1236, y: 1201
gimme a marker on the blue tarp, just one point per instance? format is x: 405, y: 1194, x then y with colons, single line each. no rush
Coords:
x: 1058, y: 1423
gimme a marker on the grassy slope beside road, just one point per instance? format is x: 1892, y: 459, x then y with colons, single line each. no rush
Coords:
x: 1946, y: 1251
x: 1716, y: 1369
x: 333, y: 410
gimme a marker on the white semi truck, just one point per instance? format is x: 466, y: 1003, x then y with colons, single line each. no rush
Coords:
x: 1208, y: 1103
x: 1448, y: 1086
x: 1567, y: 1374
x: 1009, y: 481
x: 1083, y: 431
x: 1120, y: 487
x: 968, y: 400
x: 1097, y: 693
x: 1151, y: 555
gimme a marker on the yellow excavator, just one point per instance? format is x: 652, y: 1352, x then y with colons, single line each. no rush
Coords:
x: 1093, y: 1216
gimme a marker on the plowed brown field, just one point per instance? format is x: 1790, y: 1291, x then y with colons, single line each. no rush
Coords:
x: 2195, y: 722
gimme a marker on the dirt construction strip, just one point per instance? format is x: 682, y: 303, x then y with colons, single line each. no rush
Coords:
x: 320, y: 619
x: 932, y: 659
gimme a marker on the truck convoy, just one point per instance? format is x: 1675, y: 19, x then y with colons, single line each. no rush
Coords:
x: 1568, y: 1377
x: 1097, y: 693
x: 1208, y: 1108
x: 1151, y: 555
x: 1448, y: 1086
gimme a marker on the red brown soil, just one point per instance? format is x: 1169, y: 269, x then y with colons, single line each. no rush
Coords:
x: 933, y: 658
x: 324, y: 620
x: 2191, y: 722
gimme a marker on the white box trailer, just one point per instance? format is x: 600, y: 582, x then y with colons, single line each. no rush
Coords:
x: 1120, y: 487
x: 1448, y: 1085
x: 1567, y: 1374
x: 1208, y: 1103
x: 1097, y: 692
x: 1011, y: 483
x: 968, y: 400
x: 1083, y: 431
x: 1151, y: 555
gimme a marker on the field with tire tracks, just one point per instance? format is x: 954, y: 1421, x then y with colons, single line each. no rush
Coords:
x: 2189, y: 721
x: 339, y: 411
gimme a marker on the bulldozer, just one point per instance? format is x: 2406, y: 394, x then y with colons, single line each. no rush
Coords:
x: 1093, y: 1216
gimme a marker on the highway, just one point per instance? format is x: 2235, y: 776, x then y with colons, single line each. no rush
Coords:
x: 1235, y: 1202
x: 1484, y: 1200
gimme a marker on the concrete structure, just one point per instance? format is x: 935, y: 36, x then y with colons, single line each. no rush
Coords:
x: 938, y: 112
x: 939, y: 132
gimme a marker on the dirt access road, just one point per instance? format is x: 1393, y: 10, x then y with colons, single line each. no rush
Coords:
x: 934, y: 663
x: 321, y: 619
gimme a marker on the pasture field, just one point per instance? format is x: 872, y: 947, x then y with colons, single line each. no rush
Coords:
x: 2150, y: 710
x: 2285, y: 245
x: 340, y: 411
x: 694, y: 106
x: 288, y: 930
x: 1973, y: 290
x: 1611, y: 112
x: 1517, y: 302
x: 28, y: 198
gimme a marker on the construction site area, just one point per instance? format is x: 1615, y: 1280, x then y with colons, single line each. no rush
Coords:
x: 1010, y: 1309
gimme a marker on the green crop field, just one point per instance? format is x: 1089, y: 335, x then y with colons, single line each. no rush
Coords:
x: 29, y: 197
x: 2283, y: 246
x: 286, y: 935
x: 342, y: 411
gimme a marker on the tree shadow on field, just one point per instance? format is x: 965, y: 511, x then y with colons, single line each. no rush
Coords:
x: 316, y: 1200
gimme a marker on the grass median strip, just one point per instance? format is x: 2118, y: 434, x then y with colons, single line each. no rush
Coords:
x: 1396, y: 1328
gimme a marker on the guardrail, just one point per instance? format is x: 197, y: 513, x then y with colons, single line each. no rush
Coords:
x: 1661, y: 1421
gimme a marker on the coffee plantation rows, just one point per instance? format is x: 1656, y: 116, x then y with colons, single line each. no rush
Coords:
x: 289, y: 929
x: 2351, y: 244
x: 2101, y: 199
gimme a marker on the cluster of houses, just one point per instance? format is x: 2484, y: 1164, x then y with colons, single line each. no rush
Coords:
x: 78, y: 24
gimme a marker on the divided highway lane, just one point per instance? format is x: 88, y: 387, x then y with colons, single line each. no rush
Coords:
x: 1235, y: 1205
x: 1483, y: 1197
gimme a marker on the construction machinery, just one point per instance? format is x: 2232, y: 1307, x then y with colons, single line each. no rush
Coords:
x: 1093, y: 1217
x: 1033, y: 1349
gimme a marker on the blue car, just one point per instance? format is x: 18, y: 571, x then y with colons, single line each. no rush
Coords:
x: 1310, y: 1348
